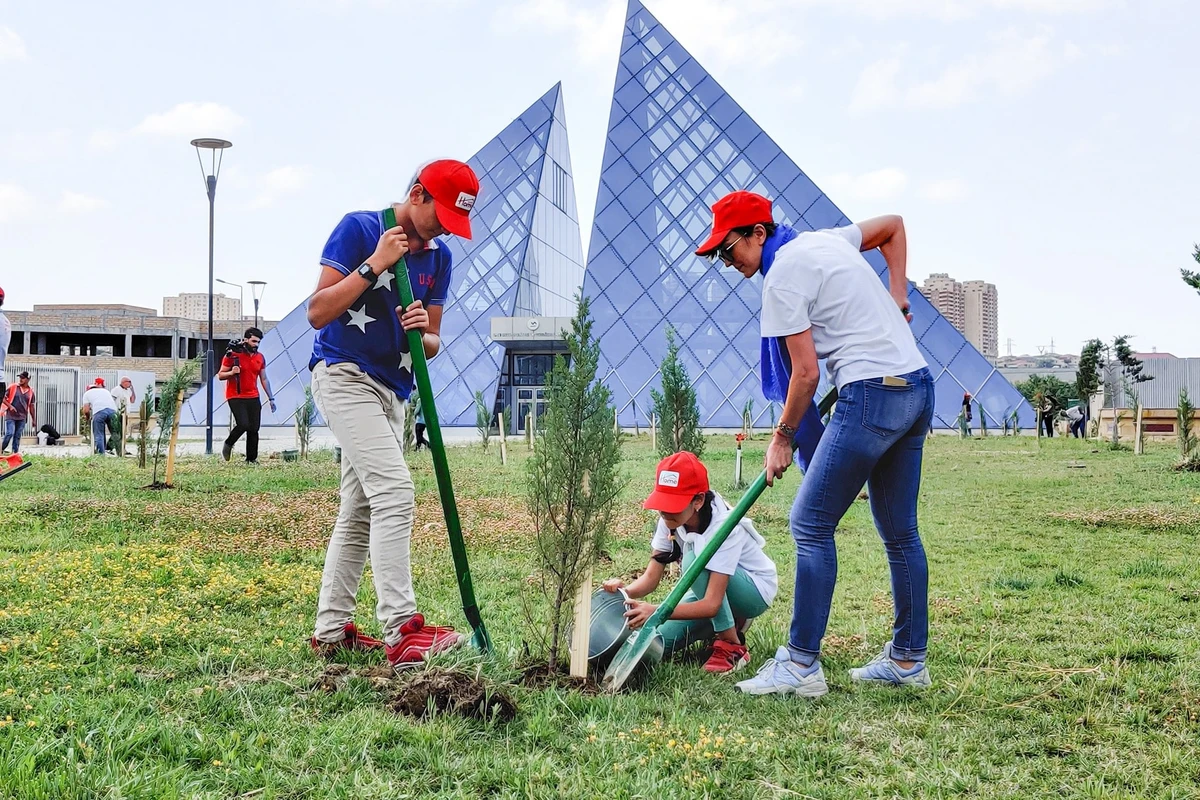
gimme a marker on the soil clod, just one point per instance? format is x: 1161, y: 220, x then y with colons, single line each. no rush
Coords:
x: 444, y: 691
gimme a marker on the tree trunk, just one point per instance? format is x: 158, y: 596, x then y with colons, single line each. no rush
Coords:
x: 170, y: 472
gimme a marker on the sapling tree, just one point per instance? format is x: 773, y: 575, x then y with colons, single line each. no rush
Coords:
x: 1186, y: 412
x: 483, y: 419
x: 572, y: 483
x: 168, y: 411
x: 145, y: 414
x: 675, y: 406
x: 306, y: 415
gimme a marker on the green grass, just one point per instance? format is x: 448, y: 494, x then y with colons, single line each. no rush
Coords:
x: 153, y: 644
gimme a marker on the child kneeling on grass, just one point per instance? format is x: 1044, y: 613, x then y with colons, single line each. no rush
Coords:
x: 737, y: 585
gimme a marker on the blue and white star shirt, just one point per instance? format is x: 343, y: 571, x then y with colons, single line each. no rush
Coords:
x: 369, y: 333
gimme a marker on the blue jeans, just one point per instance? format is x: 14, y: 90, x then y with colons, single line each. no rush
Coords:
x: 13, y: 428
x: 877, y: 437
x: 100, y: 429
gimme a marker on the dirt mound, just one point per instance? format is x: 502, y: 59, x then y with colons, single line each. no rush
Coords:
x: 444, y: 691
x: 538, y: 676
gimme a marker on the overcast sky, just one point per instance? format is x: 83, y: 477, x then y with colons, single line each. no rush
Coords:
x: 1046, y: 146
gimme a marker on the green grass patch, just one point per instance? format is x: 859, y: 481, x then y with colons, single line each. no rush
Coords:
x: 154, y: 644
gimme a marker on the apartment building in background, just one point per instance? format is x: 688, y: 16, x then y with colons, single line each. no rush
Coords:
x: 946, y: 294
x: 970, y: 306
x: 194, y: 305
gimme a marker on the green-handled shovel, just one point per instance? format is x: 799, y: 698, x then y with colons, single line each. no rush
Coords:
x: 420, y: 370
x: 631, y: 654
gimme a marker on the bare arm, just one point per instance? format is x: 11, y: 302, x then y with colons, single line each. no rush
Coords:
x: 337, y: 292
x: 334, y: 295
x: 801, y: 388
x: 262, y: 378
x: 887, y: 233
x: 707, y: 607
x: 648, y: 581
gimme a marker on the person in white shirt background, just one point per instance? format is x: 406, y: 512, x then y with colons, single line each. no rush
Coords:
x: 98, y: 402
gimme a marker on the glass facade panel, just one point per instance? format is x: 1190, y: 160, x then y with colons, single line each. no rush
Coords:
x: 699, y: 144
x: 526, y: 258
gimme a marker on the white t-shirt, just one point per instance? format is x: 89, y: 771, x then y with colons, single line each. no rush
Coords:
x: 821, y: 281
x: 743, y: 549
x: 122, y: 396
x: 5, y: 340
x: 100, y: 399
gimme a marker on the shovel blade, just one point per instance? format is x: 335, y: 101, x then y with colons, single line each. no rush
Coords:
x: 644, y: 648
x: 480, y: 639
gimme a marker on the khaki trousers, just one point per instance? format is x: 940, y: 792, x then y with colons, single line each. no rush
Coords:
x: 378, y: 500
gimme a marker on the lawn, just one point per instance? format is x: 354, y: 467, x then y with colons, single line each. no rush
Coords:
x: 154, y: 644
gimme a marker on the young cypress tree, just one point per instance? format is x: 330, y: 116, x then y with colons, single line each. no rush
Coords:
x: 572, y: 482
x: 675, y: 406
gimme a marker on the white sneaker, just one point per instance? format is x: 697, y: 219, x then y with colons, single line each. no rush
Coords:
x: 781, y: 675
x: 883, y: 669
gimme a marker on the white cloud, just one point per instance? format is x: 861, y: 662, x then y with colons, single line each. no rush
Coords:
x: 41, y: 146
x: 945, y: 190
x: 77, y: 203
x: 595, y: 30
x: 191, y: 120
x: 880, y: 184
x: 1014, y: 63
x: 103, y: 140
x: 15, y: 202
x: 12, y: 48
x: 280, y: 182
x: 953, y: 9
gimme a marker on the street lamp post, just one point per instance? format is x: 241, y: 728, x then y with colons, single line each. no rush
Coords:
x: 241, y: 299
x: 216, y: 148
x: 256, y: 290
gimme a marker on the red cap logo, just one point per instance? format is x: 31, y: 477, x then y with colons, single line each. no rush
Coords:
x: 735, y: 210
x: 680, y: 478
x: 454, y: 188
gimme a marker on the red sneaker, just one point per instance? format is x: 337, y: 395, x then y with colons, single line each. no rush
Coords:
x: 419, y: 641
x: 353, y: 640
x: 727, y: 657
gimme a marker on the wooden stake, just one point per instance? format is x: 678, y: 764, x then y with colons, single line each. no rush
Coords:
x: 1137, y: 431
x: 503, y: 439
x: 581, y: 631
x: 653, y: 433
x: 530, y: 433
x: 170, y: 473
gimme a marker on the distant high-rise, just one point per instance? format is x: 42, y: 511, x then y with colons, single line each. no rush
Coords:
x: 979, y: 313
x: 194, y: 305
x: 969, y: 306
x: 946, y: 294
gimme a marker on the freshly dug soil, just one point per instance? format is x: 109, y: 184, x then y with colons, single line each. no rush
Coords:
x: 538, y: 676
x: 445, y: 691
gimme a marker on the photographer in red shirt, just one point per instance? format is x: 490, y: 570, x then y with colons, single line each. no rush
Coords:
x: 242, y: 369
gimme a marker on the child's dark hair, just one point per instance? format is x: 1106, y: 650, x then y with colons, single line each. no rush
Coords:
x: 746, y: 230
x: 706, y: 514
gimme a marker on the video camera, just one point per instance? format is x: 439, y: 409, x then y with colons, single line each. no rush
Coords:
x: 236, y: 346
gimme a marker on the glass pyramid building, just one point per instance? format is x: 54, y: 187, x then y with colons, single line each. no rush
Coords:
x: 525, y: 259
x: 677, y: 142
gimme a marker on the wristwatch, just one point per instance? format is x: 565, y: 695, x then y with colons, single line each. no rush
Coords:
x: 365, y: 271
x: 785, y: 430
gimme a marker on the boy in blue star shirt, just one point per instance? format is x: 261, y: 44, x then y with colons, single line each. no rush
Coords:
x: 362, y: 371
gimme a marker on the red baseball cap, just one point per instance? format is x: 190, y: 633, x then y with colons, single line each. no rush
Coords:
x: 454, y: 188
x: 1, y: 295
x: 735, y: 210
x: 680, y: 478
x: 99, y: 381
